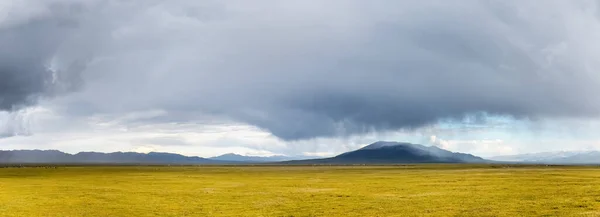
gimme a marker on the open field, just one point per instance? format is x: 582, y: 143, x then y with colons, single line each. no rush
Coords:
x: 409, y: 190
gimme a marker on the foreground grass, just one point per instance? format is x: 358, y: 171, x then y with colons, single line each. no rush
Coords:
x: 410, y: 190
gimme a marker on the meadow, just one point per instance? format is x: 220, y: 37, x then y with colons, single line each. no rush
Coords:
x: 400, y: 190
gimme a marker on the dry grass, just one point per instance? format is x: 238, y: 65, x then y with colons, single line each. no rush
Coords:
x: 423, y: 190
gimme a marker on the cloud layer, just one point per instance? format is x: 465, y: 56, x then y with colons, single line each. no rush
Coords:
x: 304, y: 69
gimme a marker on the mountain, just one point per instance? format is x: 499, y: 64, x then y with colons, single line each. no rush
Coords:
x: 32, y: 156
x: 395, y: 152
x: 242, y: 158
x: 559, y: 157
x: 376, y: 153
x: 53, y: 156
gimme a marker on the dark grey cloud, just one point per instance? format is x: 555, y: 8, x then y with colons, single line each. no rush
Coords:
x: 29, y: 45
x: 334, y: 68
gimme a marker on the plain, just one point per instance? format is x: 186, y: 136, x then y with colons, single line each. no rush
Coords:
x: 393, y: 190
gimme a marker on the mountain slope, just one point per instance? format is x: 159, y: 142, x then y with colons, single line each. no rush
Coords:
x: 395, y: 152
x: 53, y: 156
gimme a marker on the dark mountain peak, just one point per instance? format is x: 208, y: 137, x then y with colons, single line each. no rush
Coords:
x: 403, y: 145
x: 400, y: 152
x: 381, y: 144
x: 231, y: 155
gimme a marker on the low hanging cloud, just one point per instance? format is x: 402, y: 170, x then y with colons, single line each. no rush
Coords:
x: 306, y: 69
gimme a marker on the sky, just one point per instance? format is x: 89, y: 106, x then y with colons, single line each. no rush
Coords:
x: 315, y: 78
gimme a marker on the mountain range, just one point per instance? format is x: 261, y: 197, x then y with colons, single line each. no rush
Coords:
x: 377, y: 153
x: 57, y: 157
x: 559, y: 157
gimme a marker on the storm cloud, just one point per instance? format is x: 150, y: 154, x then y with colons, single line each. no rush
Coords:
x: 307, y: 69
x: 31, y: 34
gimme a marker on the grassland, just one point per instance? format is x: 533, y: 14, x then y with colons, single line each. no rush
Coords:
x: 409, y: 190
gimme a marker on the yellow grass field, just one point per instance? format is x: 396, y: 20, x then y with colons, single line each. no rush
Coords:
x: 403, y: 190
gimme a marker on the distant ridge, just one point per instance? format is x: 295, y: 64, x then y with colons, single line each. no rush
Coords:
x: 58, y: 157
x: 395, y: 152
x: 242, y: 158
x: 559, y: 157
